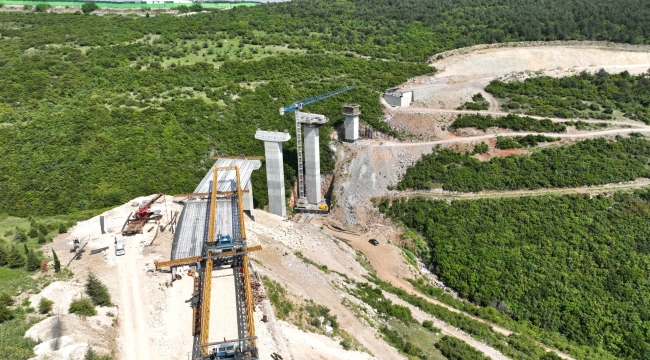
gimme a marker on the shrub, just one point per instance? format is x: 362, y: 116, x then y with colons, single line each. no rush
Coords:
x: 15, y: 259
x: 3, y: 256
x: 6, y: 299
x: 97, y: 291
x: 5, y: 314
x: 42, y: 7
x: 19, y: 235
x: 87, y: 8
x: 82, y: 307
x: 455, y: 349
x: 33, y: 262
x: 550, y: 356
x: 92, y: 355
x: 428, y: 324
x: 62, y: 228
x: 45, y: 305
x: 481, y: 148
x: 33, y: 233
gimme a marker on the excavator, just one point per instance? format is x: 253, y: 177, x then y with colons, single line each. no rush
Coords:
x: 135, y: 224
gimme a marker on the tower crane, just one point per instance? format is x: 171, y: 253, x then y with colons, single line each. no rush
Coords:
x: 298, y: 106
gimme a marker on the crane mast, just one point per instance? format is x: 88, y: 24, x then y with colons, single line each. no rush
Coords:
x: 299, y: 119
x: 301, y: 180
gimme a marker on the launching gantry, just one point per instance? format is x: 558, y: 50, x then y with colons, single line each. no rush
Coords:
x: 221, y: 249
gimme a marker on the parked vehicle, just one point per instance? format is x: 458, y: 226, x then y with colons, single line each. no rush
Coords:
x: 119, y: 249
x: 374, y: 242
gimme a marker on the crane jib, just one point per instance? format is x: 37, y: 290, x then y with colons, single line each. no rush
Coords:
x: 300, y: 103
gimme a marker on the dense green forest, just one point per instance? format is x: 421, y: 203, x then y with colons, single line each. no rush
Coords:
x: 97, y: 110
x: 85, y: 128
x: 570, y: 264
x: 588, y: 162
x: 586, y: 95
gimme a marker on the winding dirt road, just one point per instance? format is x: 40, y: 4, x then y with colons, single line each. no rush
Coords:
x: 639, y: 183
x: 423, y: 110
x: 466, y: 139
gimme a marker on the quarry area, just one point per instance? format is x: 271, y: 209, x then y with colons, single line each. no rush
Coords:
x: 312, y: 256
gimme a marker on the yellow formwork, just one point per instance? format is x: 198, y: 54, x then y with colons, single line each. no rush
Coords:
x: 249, y: 302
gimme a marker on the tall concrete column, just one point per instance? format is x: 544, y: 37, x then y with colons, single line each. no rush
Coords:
x: 274, y: 169
x: 247, y: 199
x: 312, y: 165
x: 351, y: 112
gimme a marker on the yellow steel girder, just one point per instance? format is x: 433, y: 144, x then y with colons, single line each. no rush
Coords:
x: 249, y: 301
x: 205, y: 304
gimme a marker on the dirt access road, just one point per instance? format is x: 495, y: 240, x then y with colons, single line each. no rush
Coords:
x: 441, y: 194
x: 136, y: 332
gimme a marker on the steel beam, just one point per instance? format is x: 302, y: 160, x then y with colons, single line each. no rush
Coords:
x: 205, y: 304
x: 249, y: 302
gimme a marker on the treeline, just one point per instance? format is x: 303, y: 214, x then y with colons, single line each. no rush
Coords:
x: 585, y: 95
x: 410, y: 31
x: 516, y: 142
x: 511, y: 121
x: 572, y: 264
x: 588, y: 162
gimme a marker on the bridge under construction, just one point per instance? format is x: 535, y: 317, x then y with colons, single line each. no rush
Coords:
x: 210, y: 240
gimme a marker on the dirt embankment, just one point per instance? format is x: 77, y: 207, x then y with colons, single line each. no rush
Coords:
x: 149, y: 320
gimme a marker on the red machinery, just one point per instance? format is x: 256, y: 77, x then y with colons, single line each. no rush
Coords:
x: 134, y: 225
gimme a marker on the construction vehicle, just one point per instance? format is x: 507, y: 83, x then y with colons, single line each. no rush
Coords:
x: 302, y: 200
x: 74, y: 245
x: 224, y: 241
x: 225, y: 351
x: 135, y: 224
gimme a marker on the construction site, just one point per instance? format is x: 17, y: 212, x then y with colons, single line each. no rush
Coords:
x: 187, y: 272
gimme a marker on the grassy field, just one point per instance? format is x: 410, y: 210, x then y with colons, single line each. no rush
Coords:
x: 420, y: 337
x: 218, y: 52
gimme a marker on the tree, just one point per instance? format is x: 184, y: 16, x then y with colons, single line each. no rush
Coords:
x: 97, y: 291
x: 33, y: 233
x: 41, y: 239
x: 15, y: 259
x: 3, y: 256
x: 45, y: 305
x: 19, y: 234
x: 33, y: 263
x: 87, y: 8
x: 57, y: 263
x: 83, y: 307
